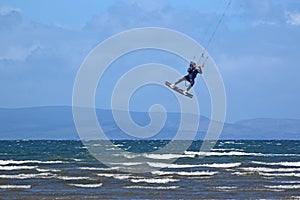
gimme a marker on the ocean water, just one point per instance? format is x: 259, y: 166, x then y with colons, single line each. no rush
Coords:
x: 231, y: 170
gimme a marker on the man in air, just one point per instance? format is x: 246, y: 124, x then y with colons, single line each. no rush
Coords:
x: 193, y: 70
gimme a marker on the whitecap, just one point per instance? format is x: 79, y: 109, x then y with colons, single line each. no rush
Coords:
x: 225, y: 188
x: 117, y: 176
x: 178, y: 166
x: 229, y: 142
x: 235, y: 153
x: 6, y: 162
x: 233, y: 142
x: 240, y: 173
x: 226, y: 150
x: 290, y: 182
x: 51, y: 162
x: 286, y: 164
x: 77, y: 159
x: 126, y: 155
x: 154, y: 180
x: 15, y: 186
x: 18, y: 167
x: 167, y: 156
x: 152, y: 187
x: 127, y: 163
x: 96, y: 145
x: 283, y: 186
x: 47, y: 170
x: 279, y: 174
x: 166, y: 165
x: 230, y: 153
x: 222, y: 165
x: 70, y: 178
x: 130, y: 156
x: 119, y: 145
x: 99, y: 168
x: 265, y: 169
x: 84, y: 147
x: 183, y: 173
x: 87, y: 185
x: 26, y: 176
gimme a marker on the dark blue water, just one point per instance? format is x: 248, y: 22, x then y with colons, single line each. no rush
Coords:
x: 67, y: 170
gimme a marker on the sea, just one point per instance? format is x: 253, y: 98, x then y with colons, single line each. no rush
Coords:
x: 231, y: 169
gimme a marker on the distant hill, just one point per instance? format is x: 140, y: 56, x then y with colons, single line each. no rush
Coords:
x: 272, y: 128
x: 56, y: 123
x: 37, y: 123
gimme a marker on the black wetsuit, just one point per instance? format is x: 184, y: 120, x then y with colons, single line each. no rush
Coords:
x: 192, y: 74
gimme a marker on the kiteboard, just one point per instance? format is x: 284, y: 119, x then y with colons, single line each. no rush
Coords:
x: 177, y: 89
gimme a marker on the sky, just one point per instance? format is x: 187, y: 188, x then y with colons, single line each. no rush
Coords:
x: 256, y: 49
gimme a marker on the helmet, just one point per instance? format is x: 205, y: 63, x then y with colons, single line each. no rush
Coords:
x: 192, y: 63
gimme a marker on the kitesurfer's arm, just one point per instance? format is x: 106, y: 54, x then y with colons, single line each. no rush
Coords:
x: 199, y: 69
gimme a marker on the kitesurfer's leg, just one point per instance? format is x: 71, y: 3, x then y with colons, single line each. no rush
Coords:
x: 189, y: 87
x: 192, y: 81
x: 179, y: 81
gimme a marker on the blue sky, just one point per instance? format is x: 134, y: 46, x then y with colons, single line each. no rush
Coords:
x: 256, y: 49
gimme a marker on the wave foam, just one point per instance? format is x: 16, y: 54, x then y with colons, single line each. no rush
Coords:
x: 117, y: 176
x: 6, y: 162
x: 17, y: 167
x: 240, y: 173
x: 234, y: 153
x: 230, y: 153
x: 226, y: 188
x: 152, y: 188
x: 179, y: 166
x: 290, y: 182
x: 70, y: 178
x: 15, y: 186
x: 127, y: 163
x: 231, y: 149
x: 47, y: 170
x: 167, y: 156
x: 129, y: 156
x: 233, y: 142
x: 265, y: 169
x: 267, y: 174
x: 182, y: 173
x: 99, y: 168
x: 27, y: 176
x: 286, y: 164
x: 154, y: 180
x: 279, y: 174
x: 283, y: 186
x: 87, y: 185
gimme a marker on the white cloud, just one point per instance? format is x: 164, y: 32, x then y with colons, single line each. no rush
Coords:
x: 4, y: 10
x: 293, y: 18
x: 133, y: 14
x: 19, y: 53
x: 265, y: 23
x: 148, y: 5
x: 248, y: 63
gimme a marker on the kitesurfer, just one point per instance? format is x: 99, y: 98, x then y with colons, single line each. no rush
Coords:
x: 193, y: 70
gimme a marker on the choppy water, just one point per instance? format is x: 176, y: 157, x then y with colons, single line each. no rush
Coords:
x: 232, y: 169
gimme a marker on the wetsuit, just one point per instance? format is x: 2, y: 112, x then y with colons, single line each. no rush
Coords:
x: 192, y: 74
x: 190, y: 77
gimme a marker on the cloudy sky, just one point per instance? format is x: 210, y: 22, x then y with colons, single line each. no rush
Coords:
x: 256, y: 48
